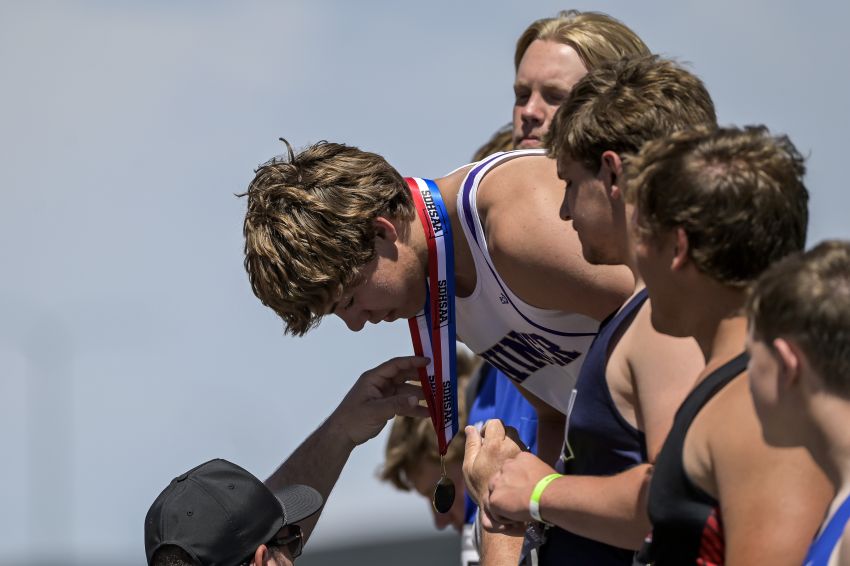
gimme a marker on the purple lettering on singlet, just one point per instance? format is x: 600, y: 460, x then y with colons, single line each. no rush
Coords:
x: 519, y: 355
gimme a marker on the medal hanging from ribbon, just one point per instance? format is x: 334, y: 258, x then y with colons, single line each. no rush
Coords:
x: 433, y: 329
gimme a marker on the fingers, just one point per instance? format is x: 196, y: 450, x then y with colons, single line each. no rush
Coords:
x: 487, y: 521
x: 494, y: 430
x: 513, y: 434
x: 512, y: 528
x: 410, y: 389
x: 415, y: 410
x: 398, y: 370
x: 405, y: 405
x: 470, y: 453
x: 493, y: 523
x: 473, y: 446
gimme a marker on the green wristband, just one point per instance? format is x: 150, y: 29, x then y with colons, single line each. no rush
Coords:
x: 536, y: 493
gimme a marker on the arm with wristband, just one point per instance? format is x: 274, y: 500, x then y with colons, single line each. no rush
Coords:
x: 537, y: 492
x: 610, y: 509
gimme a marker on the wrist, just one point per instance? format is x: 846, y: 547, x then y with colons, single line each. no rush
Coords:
x: 339, y: 430
x: 537, y: 494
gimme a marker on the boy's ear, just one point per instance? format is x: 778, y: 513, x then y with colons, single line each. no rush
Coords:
x: 261, y: 556
x: 385, y: 229
x: 611, y: 173
x: 790, y: 361
x: 680, y: 249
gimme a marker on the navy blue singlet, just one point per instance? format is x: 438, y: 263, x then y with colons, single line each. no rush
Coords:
x: 600, y: 442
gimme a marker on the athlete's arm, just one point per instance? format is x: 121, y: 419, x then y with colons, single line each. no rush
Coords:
x: 376, y: 397
x: 649, y: 375
x: 663, y: 371
x: 498, y: 549
x: 536, y: 252
x: 772, y: 500
x: 610, y: 509
x: 484, y: 454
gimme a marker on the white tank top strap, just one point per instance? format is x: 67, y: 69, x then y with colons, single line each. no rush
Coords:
x: 541, y: 349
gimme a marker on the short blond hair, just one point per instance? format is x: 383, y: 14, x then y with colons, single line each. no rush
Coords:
x: 806, y: 297
x: 309, y: 226
x: 595, y: 36
x: 623, y: 104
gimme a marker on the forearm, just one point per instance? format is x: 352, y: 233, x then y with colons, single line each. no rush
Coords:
x: 609, y: 509
x: 499, y: 549
x: 317, y: 462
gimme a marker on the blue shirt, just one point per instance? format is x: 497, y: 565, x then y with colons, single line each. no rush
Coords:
x: 498, y: 398
x: 830, y: 536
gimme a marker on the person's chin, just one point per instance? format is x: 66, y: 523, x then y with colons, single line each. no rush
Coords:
x: 529, y: 143
x: 391, y: 316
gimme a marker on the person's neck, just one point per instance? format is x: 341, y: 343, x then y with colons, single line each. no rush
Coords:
x: 829, y: 443
x: 718, y: 324
x: 629, y: 262
x: 465, y: 277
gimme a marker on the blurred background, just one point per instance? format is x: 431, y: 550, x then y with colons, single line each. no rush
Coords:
x: 131, y: 347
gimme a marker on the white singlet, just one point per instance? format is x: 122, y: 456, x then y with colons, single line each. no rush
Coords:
x: 540, y: 349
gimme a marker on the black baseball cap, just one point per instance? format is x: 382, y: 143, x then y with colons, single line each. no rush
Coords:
x: 219, y: 513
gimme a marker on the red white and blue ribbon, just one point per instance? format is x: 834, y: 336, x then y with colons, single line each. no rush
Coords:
x: 433, y: 329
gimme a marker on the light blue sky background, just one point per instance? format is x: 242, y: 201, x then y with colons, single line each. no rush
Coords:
x: 131, y: 347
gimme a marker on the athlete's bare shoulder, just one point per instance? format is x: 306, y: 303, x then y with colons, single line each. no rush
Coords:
x: 772, y: 499
x: 535, y: 251
x: 516, y: 177
x: 657, y: 372
x: 450, y: 184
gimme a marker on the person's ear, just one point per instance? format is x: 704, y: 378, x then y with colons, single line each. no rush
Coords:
x: 611, y: 173
x: 680, y: 249
x: 790, y: 362
x: 385, y: 229
x: 261, y: 556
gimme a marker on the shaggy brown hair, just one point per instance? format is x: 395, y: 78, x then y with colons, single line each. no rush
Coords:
x: 623, y: 104
x: 806, y: 297
x: 737, y: 193
x: 309, y: 226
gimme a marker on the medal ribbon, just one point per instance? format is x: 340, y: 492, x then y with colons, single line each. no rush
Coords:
x: 433, y: 328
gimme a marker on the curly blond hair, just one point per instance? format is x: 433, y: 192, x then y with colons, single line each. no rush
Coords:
x: 309, y: 226
x: 737, y: 193
x: 623, y: 104
x: 595, y: 36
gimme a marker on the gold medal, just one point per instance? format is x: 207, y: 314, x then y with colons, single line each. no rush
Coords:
x: 444, y: 492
